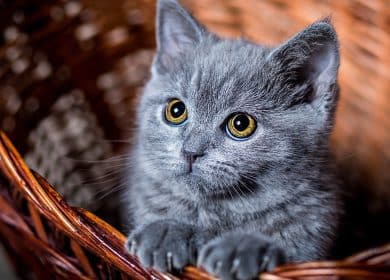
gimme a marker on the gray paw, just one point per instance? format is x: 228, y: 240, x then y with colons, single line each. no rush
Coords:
x: 163, y: 245
x: 239, y: 256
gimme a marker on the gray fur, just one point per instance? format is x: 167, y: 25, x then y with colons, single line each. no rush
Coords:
x: 275, y: 189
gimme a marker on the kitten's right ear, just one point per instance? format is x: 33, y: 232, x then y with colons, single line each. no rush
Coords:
x: 310, y: 60
x: 177, y: 31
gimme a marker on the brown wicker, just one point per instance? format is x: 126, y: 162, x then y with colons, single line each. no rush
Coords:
x: 51, y: 48
x: 53, y: 239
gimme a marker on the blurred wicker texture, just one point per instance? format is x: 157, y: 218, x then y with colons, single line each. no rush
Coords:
x: 54, y: 240
x: 53, y: 47
x: 65, y: 148
x: 44, y: 234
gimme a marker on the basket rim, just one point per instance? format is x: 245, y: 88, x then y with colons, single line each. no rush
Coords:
x: 108, y: 243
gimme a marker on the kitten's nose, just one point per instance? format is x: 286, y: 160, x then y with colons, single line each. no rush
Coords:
x: 191, y: 156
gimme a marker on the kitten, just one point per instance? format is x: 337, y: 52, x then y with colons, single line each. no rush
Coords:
x: 230, y: 170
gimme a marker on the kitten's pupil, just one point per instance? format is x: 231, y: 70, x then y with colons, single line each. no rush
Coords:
x: 241, y: 122
x: 178, y: 109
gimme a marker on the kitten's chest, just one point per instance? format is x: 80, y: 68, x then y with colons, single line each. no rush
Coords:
x: 208, y: 216
x: 192, y: 212
x: 182, y: 209
x: 168, y: 201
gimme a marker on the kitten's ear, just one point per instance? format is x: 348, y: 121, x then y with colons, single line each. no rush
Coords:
x: 310, y: 61
x: 177, y: 31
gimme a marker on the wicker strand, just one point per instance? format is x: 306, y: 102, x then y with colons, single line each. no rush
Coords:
x: 107, y: 243
x: 104, y: 48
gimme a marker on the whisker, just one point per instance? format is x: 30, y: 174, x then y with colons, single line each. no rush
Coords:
x: 112, y: 191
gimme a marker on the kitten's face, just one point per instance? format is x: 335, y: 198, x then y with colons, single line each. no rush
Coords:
x: 216, y: 79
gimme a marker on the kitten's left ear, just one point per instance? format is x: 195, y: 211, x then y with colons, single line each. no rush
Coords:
x: 310, y: 61
x: 177, y: 32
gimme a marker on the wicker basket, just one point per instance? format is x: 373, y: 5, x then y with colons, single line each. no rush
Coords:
x: 103, y: 49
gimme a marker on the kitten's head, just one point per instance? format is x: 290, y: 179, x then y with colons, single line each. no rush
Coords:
x: 217, y: 112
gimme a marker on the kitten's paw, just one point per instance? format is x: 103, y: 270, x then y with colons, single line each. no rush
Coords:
x: 239, y: 256
x: 163, y: 245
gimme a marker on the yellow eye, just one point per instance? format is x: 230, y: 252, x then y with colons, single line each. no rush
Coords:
x: 241, y: 126
x: 176, y: 112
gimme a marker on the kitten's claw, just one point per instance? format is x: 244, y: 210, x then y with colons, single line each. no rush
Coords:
x: 163, y: 245
x: 264, y: 263
x: 239, y: 256
x: 133, y: 246
x: 218, y: 267
x: 235, y: 266
x: 169, y: 261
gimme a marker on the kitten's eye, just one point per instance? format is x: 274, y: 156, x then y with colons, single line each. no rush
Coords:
x: 176, y: 112
x: 240, y: 126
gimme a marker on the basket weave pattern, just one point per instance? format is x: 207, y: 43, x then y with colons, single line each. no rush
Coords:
x: 103, y: 49
x: 52, y: 239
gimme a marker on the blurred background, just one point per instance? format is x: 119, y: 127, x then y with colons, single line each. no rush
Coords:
x: 70, y: 72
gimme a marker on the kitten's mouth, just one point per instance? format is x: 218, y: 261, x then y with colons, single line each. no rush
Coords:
x: 191, y: 172
x: 190, y: 159
x: 189, y: 167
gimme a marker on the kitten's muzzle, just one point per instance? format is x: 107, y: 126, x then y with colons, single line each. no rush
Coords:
x: 191, y: 157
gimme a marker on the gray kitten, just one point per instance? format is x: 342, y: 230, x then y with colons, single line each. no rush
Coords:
x: 231, y: 169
